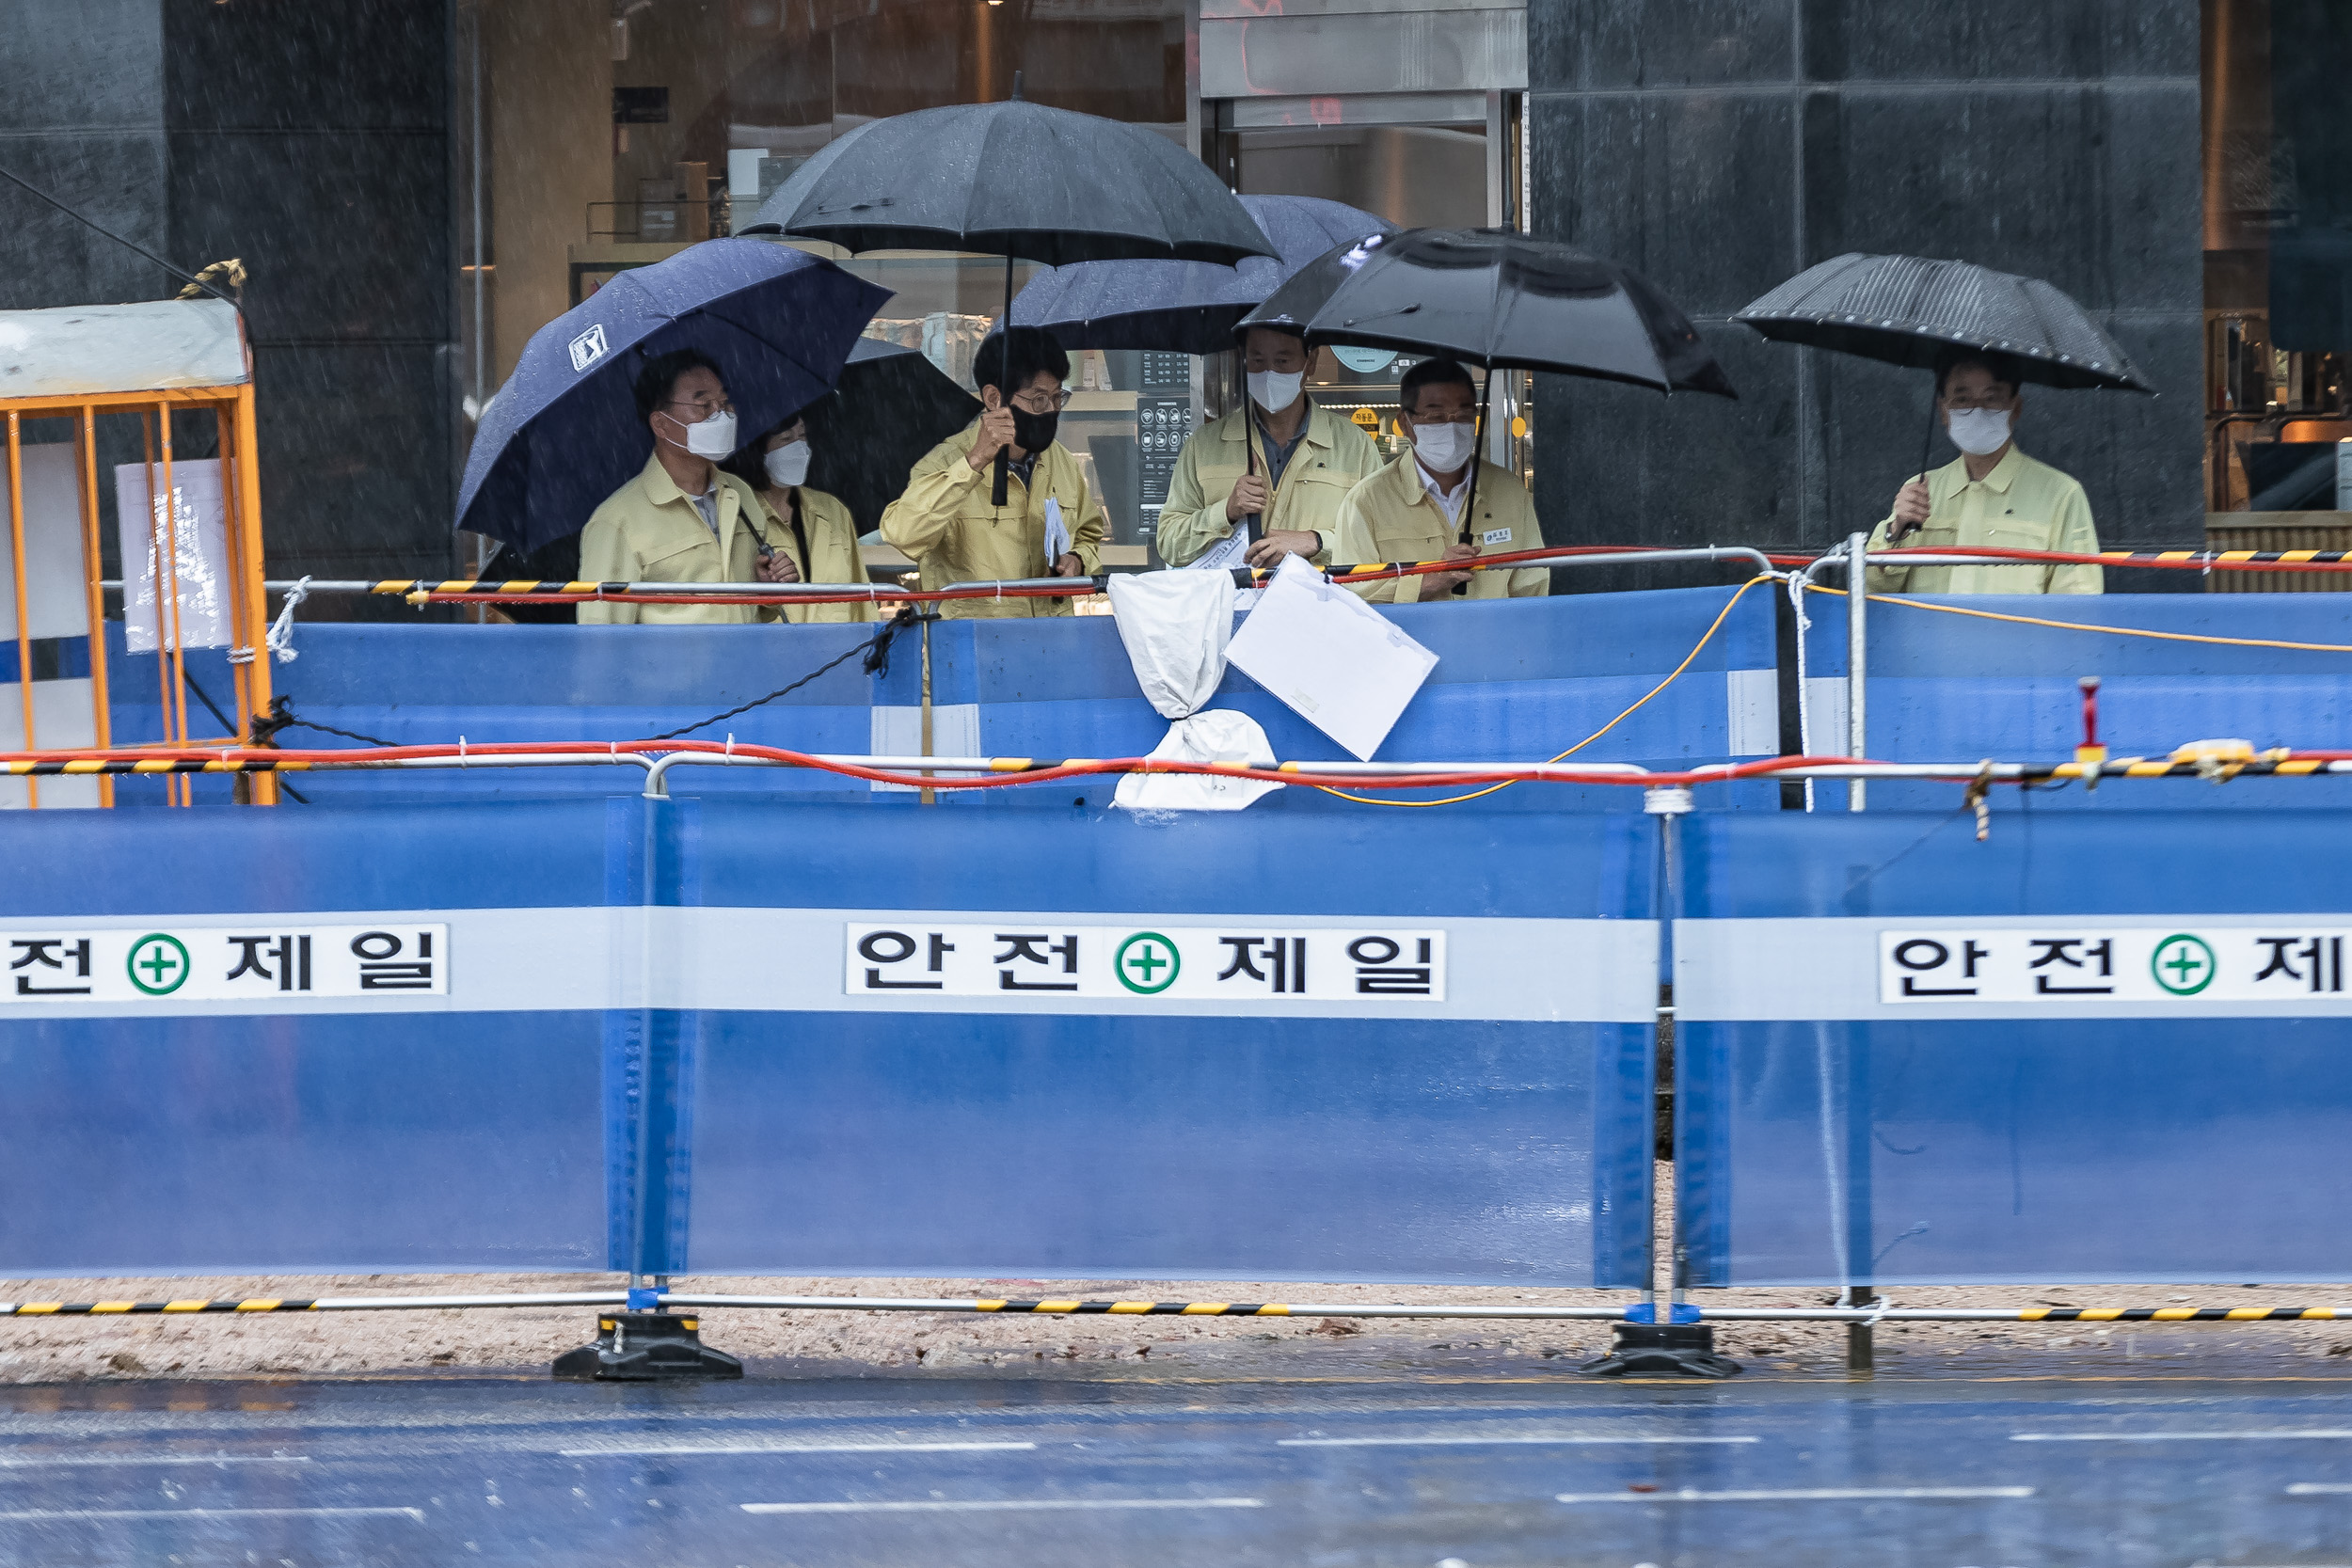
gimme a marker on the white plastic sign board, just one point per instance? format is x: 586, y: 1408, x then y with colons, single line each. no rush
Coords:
x: 199, y: 564
x: 1338, y: 663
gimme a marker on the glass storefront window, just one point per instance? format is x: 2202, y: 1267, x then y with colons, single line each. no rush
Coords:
x: 2278, y: 244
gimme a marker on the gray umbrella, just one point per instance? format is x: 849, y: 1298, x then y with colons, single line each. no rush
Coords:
x: 1186, y: 307
x: 1916, y: 310
x: 1919, y: 312
x: 1014, y: 179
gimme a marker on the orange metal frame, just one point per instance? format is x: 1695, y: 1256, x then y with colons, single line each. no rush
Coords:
x: 232, y: 410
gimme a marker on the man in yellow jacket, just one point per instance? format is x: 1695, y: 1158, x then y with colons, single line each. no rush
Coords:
x: 1050, y: 524
x: 1266, y: 480
x: 1412, y: 510
x: 682, y: 519
x: 1995, y: 495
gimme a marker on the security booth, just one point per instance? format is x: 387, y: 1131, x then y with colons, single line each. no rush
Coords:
x: 166, y: 386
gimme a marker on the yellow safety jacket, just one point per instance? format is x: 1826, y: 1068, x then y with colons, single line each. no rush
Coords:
x: 649, y: 530
x: 1392, y: 516
x: 945, y: 521
x: 832, y: 556
x: 1331, y: 456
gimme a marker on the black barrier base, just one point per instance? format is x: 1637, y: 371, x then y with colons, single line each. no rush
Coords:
x: 1688, y: 1349
x: 647, y: 1347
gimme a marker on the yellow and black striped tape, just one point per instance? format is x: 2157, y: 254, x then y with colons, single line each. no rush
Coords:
x: 155, y: 765
x: 480, y: 585
x: 2299, y: 557
x: 1147, y: 1309
x: 102, y: 1309
x: 2174, y: 1314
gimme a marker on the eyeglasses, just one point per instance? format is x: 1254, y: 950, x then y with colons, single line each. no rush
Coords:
x: 1960, y: 403
x: 1042, y: 402
x: 707, y: 406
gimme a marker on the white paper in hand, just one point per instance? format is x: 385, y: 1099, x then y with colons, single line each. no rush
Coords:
x: 1341, y: 664
x: 1056, y: 534
x: 1223, y: 555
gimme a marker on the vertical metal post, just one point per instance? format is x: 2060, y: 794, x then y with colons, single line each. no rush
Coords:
x: 248, y: 520
x: 929, y: 797
x: 101, y: 715
x: 1668, y: 803
x: 167, y: 591
x: 1861, y: 1347
x: 1857, y: 660
x: 23, y: 600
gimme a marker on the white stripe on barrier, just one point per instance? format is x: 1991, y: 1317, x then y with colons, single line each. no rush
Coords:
x: 1924, y: 968
x: 797, y: 960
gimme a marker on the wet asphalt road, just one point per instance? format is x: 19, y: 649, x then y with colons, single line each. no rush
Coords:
x: 1413, y: 1470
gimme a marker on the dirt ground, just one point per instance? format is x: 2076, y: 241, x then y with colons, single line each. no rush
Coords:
x: 525, y: 1339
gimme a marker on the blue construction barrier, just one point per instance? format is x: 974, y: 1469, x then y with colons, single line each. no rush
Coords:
x: 2098, y: 1047
x: 258, y: 1095
x: 807, y: 1037
x: 1515, y: 682
x: 1946, y: 688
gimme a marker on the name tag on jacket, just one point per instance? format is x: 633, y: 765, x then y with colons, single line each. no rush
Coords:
x: 1495, y: 536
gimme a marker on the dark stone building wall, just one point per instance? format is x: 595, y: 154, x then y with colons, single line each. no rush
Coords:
x: 311, y: 140
x: 1722, y: 146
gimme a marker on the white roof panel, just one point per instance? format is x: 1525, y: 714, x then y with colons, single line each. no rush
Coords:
x: 149, y: 345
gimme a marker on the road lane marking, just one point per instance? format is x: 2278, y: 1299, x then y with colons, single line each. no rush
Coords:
x: 2178, y: 1436
x: 1484, y: 1442
x: 1808, y: 1494
x: 156, y: 1459
x: 1010, y: 1506
x: 36, y: 1515
x: 798, y: 1448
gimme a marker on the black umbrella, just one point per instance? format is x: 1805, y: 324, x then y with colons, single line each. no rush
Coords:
x: 892, y: 405
x: 1187, y: 307
x: 1919, y: 312
x: 1501, y: 299
x: 1014, y: 179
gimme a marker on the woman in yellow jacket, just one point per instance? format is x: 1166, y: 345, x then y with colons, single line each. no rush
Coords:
x: 805, y: 535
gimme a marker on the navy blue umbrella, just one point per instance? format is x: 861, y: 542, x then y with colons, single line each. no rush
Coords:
x: 563, y: 432
x: 1186, y: 307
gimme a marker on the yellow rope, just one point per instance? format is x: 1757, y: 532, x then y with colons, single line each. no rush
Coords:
x: 1456, y: 799
x: 2111, y: 631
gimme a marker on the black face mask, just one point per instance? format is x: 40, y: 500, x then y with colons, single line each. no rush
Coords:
x: 1033, y: 432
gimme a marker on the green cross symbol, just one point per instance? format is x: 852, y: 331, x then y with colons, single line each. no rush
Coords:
x: 1153, y: 952
x: 164, y: 958
x: 2183, y: 964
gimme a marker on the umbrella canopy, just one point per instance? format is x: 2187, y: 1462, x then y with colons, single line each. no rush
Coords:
x: 1187, y: 307
x: 1916, y: 310
x: 891, y: 408
x: 1013, y: 179
x: 563, y: 432
x: 1498, y: 298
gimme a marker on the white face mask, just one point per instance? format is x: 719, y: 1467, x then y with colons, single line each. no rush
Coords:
x: 1979, y: 432
x: 787, y: 465
x: 1275, y: 391
x: 713, y: 437
x: 1443, y: 447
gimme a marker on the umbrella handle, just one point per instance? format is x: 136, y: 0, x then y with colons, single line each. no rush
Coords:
x: 1004, y: 459
x: 1927, y: 448
x: 1253, y: 526
x: 1478, y: 440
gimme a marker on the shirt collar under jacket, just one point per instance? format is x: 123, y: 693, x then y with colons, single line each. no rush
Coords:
x: 1449, y: 502
x: 2005, y: 474
x: 661, y: 489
